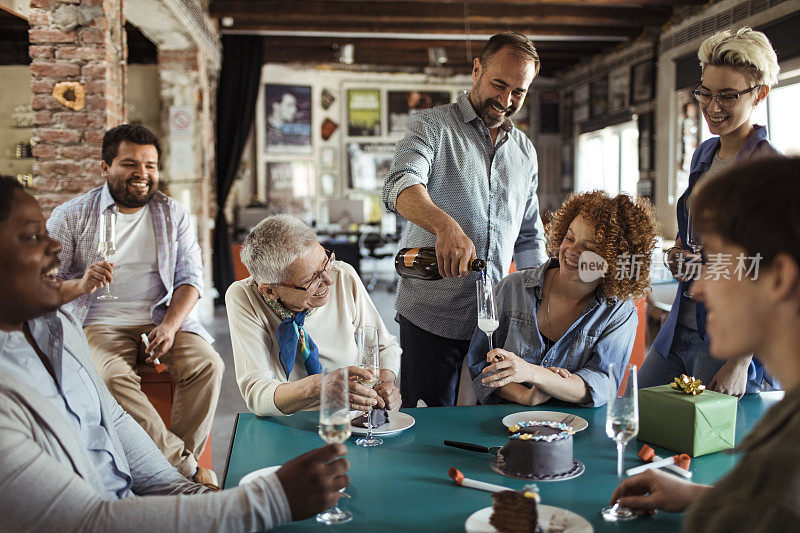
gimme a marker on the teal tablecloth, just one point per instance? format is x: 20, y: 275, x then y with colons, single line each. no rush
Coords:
x: 403, y: 485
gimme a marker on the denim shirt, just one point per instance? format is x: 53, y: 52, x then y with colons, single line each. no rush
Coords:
x: 74, y: 395
x: 601, y: 334
x: 755, y: 145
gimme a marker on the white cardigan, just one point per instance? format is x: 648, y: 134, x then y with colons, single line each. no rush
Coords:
x: 254, y: 327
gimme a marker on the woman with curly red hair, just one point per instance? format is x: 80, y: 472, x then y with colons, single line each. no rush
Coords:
x: 561, y: 326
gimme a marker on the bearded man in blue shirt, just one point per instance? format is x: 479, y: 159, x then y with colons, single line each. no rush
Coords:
x: 466, y: 180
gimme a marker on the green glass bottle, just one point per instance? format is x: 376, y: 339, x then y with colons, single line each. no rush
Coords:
x: 420, y: 263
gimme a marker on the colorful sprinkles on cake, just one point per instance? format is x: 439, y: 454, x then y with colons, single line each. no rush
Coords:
x: 515, y: 433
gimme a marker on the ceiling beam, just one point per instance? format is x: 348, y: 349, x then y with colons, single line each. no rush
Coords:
x: 575, y: 32
x: 409, y: 44
x: 232, y: 7
x: 400, y: 13
x: 444, y: 24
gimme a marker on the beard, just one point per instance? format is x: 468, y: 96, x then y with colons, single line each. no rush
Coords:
x: 123, y: 196
x: 490, y: 112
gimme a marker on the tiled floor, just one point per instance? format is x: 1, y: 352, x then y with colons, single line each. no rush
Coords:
x: 230, y: 400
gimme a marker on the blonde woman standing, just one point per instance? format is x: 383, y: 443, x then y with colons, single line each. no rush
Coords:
x: 738, y: 70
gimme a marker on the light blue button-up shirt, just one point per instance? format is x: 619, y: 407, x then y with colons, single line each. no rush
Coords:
x: 601, y: 335
x: 74, y: 395
x: 490, y: 190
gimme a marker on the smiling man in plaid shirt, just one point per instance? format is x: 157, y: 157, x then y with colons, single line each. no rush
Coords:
x: 157, y: 279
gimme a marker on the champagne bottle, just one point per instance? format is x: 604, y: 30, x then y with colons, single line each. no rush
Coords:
x: 420, y: 263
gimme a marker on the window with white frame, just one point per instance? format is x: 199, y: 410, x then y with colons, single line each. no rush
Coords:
x: 608, y: 159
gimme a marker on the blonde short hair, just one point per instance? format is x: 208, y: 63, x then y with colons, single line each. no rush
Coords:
x: 747, y: 50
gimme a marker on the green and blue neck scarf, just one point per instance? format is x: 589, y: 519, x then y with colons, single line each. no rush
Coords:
x: 292, y: 338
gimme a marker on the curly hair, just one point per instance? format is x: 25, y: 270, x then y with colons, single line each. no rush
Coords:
x: 622, y: 226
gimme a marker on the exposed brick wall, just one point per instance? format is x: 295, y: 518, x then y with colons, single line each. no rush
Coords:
x: 81, y: 41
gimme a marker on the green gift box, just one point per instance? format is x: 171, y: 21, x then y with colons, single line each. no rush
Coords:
x: 694, y: 425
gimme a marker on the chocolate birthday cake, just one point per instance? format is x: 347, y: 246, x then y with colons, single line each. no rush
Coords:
x: 539, y: 451
x: 378, y: 418
x: 515, y: 511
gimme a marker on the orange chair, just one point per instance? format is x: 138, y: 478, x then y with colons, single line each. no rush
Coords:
x: 637, y: 353
x: 239, y: 270
x: 160, y: 390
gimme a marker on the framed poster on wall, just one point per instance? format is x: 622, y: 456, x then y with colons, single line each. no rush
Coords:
x: 363, y: 112
x: 291, y: 188
x: 619, y: 89
x: 369, y: 163
x: 642, y: 82
x: 580, y: 111
x: 599, y: 95
x: 288, y: 116
x: 403, y: 104
x: 645, y: 122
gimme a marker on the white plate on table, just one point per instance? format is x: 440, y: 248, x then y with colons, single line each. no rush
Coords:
x: 552, y: 519
x: 258, y: 473
x: 577, y: 423
x: 397, y: 422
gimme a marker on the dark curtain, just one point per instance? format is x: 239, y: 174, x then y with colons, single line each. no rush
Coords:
x: 242, y: 57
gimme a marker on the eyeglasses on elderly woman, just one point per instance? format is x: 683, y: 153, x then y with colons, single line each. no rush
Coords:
x: 330, y: 258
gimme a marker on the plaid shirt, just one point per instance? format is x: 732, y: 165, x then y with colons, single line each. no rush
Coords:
x: 74, y: 224
x: 489, y: 190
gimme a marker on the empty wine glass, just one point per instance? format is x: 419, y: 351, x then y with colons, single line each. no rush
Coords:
x: 622, y: 424
x: 334, y: 426
x: 487, y: 309
x: 369, y: 358
x: 107, y: 243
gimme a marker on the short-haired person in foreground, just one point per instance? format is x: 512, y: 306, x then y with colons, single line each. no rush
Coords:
x: 297, y: 314
x: 752, y: 212
x: 71, y: 459
x: 559, y: 328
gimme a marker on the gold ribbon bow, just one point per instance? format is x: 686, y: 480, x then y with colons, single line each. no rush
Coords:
x: 688, y: 385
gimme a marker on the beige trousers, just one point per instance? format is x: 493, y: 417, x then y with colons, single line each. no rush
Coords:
x: 194, y: 365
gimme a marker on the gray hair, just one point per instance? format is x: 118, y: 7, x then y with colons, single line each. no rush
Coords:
x: 747, y: 50
x: 273, y: 245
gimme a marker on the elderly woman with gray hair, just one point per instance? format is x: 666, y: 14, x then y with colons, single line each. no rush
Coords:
x: 297, y: 313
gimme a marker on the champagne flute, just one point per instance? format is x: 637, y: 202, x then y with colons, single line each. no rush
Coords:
x: 693, y: 242
x: 107, y: 244
x: 622, y: 424
x: 369, y: 358
x: 487, y: 309
x: 334, y: 426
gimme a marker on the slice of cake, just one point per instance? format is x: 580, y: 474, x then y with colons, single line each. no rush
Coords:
x: 515, y: 511
x: 538, y: 450
x: 378, y: 417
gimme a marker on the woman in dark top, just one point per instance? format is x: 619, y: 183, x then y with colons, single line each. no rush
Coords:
x: 738, y: 70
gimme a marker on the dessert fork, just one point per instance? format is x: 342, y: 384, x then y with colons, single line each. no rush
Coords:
x: 568, y: 419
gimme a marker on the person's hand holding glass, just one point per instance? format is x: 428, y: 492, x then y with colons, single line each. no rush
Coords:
x: 369, y: 359
x: 107, y: 244
x: 334, y: 426
x: 692, y: 261
x: 622, y: 424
